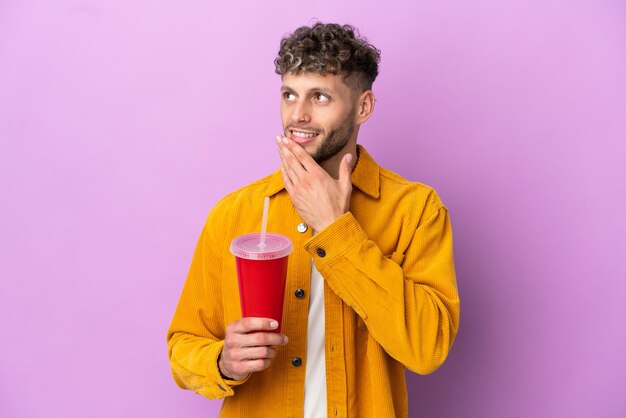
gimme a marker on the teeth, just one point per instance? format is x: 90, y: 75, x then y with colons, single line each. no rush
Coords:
x: 303, y: 134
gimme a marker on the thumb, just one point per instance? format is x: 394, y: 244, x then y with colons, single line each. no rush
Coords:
x: 345, y: 170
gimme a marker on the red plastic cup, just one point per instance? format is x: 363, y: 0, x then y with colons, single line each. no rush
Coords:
x: 262, y: 272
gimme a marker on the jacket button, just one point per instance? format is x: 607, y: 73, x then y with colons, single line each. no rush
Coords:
x: 299, y: 293
x: 296, y: 361
x: 302, y: 227
x: 321, y: 252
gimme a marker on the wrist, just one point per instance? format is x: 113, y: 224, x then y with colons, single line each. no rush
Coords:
x: 328, y: 221
x: 220, y: 368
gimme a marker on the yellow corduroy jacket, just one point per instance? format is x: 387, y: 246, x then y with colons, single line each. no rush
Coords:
x: 390, y: 296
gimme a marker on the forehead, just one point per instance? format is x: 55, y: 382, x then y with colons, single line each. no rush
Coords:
x: 306, y: 81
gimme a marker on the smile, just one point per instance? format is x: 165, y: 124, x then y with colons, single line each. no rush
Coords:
x: 303, y: 135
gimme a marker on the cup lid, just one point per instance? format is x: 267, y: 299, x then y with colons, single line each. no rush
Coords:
x: 247, y: 246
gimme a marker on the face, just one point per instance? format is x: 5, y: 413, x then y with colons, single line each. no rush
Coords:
x: 319, y: 113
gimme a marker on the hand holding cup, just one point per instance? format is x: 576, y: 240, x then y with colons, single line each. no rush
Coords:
x: 249, y: 347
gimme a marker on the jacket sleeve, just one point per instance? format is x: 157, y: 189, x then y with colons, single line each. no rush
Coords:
x: 410, y: 305
x: 196, y: 335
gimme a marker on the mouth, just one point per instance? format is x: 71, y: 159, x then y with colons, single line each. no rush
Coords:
x: 302, y: 136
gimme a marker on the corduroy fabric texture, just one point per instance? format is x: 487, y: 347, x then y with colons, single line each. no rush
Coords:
x: 391, y: 299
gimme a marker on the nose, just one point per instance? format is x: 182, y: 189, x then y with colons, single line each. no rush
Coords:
x: 301, y: 113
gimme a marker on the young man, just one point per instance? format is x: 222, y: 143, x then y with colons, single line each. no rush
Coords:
x: 371, y: 287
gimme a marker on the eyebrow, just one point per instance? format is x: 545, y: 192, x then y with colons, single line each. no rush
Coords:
x: 320, y: 89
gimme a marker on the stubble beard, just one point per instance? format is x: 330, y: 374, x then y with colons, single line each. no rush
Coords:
x: 336, y: 140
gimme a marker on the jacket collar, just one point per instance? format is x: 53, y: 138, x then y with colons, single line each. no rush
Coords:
x: 365, y: 176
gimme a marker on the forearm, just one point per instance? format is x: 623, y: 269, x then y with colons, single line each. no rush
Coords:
x: 411, y: 309
x: 414, y: 323
x: 193, y: 361
x: 195, y: 337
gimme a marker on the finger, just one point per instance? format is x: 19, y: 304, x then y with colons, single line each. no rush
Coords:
x: 286, y: 180
x: 257, y: 353
x: 290, y: 158
x: 263, y: 339
x: 345, y: 171
x: 301, y: 155
x: 245, y: 325
x: 257, y: 365
x: 289, y: 171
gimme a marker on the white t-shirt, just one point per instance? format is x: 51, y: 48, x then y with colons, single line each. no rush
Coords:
x: 315, y: 380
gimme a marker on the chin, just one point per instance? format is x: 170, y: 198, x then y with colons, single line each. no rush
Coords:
x: 310, y: 147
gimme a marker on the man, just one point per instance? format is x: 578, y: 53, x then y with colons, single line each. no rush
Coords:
x: 371, y: 287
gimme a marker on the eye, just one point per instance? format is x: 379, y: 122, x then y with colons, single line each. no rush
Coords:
x: 289, y: 96
x: 322, y: 98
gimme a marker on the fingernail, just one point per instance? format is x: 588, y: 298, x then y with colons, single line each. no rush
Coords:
x: 285, y: 141
x: 285, y: 340
x: 273, y: 324
x: 277, y: 139
x: 349, y: 158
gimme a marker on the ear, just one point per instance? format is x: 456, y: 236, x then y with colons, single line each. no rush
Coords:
x: 365, y: 106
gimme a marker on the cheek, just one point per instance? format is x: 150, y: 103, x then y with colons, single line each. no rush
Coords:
x: 284, y: 114
x: 334, y: 121
x: 327, y: 116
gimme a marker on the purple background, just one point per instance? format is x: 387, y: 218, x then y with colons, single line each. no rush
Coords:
x: 123, y: 122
